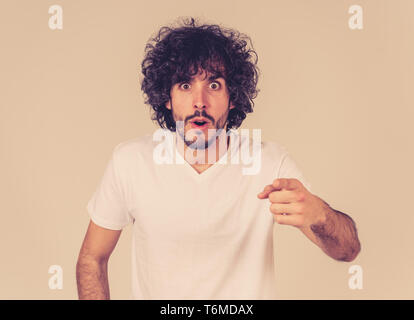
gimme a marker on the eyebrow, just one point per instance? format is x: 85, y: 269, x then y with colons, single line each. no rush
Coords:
x: 210, y: 78
x: 190, y: 79
x: 215, y: 77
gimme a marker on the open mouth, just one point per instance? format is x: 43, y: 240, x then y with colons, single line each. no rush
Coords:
x: 199, y: 124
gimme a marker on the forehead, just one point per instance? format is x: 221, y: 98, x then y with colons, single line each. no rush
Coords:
x: 207, y: 71
x: 206, y: 76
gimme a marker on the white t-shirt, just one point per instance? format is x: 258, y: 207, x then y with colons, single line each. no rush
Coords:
x: 195, y: 236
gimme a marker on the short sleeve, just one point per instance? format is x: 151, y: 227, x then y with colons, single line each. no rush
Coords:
x: 289, y: 169
x: 107, y: 208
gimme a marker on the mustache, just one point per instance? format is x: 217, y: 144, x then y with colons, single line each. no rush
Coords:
x: 197, y: 113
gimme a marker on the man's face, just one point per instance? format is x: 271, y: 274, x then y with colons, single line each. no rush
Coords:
x: 202, y: 103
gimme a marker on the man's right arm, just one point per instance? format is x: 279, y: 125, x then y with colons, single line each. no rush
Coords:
x: 92, y: 265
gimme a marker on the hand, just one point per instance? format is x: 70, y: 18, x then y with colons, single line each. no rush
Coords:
x: 292, y: 204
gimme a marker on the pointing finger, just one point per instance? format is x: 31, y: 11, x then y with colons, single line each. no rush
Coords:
x: 287, y: 183
x: 266, y: 191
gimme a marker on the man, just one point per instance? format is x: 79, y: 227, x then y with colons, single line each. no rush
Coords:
x: 201, y: 227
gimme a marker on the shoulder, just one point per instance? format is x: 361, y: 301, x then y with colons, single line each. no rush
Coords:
x: 134, y: 148
x: 136, y: 143
x: 274, y: 150
x: 250, y: 140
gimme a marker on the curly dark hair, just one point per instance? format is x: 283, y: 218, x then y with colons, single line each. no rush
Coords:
x: 177, y: 54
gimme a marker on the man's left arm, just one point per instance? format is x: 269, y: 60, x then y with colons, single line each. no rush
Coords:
x: 333, y: 231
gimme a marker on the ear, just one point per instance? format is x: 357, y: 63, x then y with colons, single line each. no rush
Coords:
x: 232, y: 106
x: 168, y: 104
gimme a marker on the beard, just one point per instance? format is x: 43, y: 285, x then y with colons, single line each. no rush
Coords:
x: 195, y: 138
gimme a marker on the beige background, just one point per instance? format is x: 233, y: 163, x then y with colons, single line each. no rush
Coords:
x: 340, y: 100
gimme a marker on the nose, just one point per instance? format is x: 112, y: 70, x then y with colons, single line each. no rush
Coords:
x: 199, y: 98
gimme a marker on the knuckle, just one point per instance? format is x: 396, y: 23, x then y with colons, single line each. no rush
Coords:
x: 301, y: 196
x: 300, y: 209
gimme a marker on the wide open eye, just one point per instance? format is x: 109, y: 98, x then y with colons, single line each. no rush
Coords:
x: 185, y: 86
x: 215, y: 85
